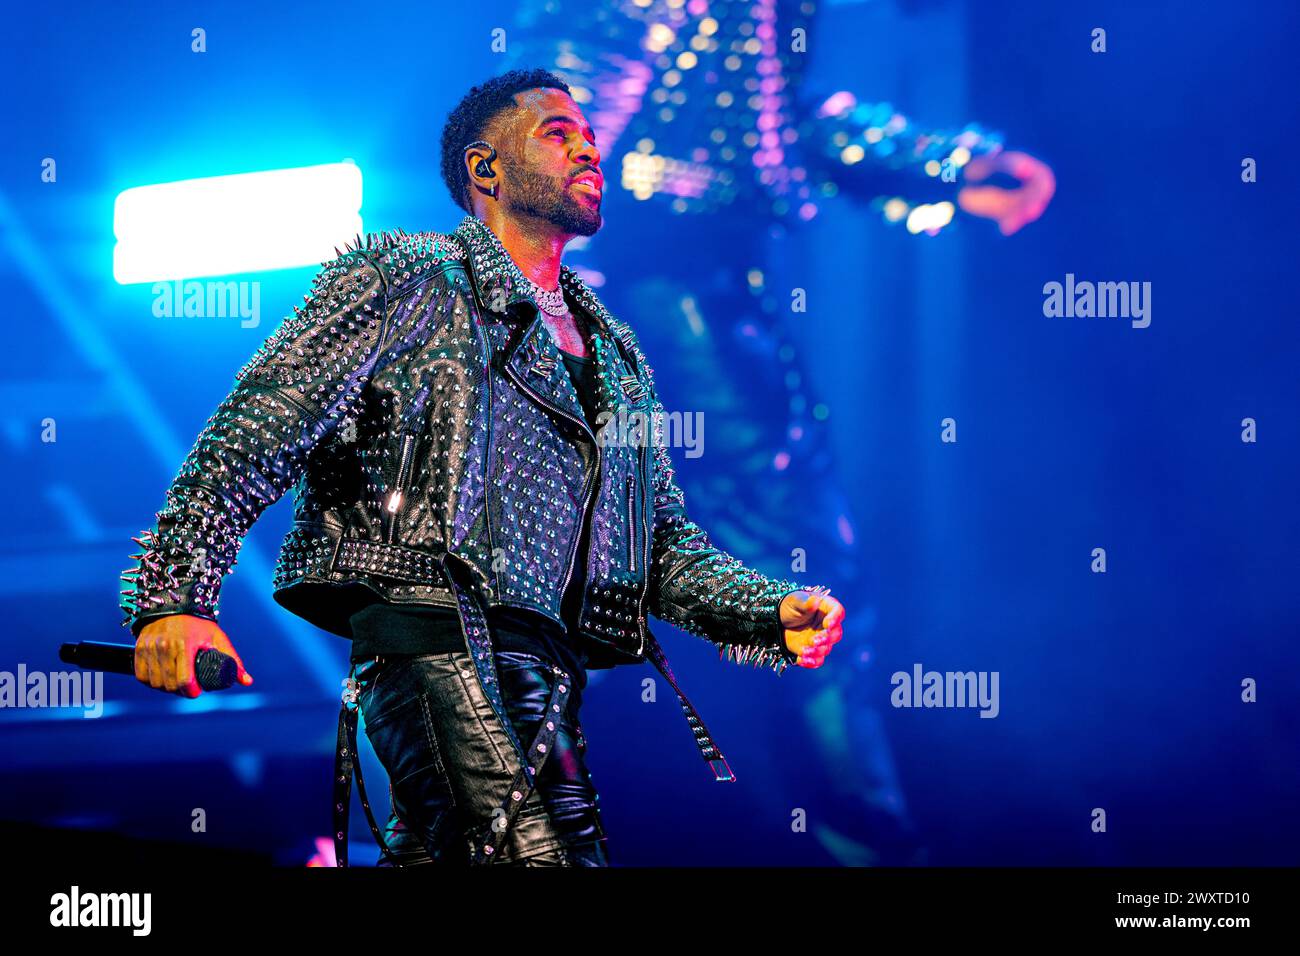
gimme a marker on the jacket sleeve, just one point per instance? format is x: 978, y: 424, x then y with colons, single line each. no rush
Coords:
x: 702, y: 589
x: 288, y: 397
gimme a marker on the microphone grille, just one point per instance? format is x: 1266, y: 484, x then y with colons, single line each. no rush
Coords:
x: 215, y: 670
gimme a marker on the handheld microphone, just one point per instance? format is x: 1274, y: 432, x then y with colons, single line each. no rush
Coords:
x: 213, y: 669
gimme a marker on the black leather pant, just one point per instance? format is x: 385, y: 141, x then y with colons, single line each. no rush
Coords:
x: 450, y: 763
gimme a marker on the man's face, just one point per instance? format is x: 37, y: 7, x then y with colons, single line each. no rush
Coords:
x: 552, y: 170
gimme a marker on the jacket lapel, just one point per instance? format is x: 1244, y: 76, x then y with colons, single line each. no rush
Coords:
x: 534, y: 357
x: 537, y: 361
x: 619, y: 361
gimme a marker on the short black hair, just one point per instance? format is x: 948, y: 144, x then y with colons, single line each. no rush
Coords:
x: 472, y: 115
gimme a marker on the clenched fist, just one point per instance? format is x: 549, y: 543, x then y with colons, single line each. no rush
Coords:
x: 813, y: 625
x: 165, y: 649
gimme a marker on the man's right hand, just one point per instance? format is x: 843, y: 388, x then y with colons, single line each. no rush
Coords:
x: 165, y: 649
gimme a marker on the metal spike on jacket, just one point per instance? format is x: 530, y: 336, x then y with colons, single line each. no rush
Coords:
x: 418, y: 407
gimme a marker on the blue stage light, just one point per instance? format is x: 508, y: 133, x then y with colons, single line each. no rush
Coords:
x: 226, y: 225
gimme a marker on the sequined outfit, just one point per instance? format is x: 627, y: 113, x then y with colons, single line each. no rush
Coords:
x: 703, y: 105
x: 420, y: 410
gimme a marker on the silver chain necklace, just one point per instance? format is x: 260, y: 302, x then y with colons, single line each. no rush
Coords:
x: 551, y: 302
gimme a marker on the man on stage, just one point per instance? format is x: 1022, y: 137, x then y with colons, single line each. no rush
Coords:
x: 482, y: 502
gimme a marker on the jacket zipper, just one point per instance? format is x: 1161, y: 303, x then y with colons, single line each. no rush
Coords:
x: 645, y: 573
x: 393, y: 503
x: 631, y: 522
x: 394, y: 500
x: 588, y: 485
x: 488, y: 352
x: 646, y: 531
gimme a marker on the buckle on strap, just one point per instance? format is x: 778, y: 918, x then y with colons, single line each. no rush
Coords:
x: 351, y: 691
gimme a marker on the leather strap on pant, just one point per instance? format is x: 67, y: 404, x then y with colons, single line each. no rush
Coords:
x: 487, y: 845
x: 487, y: 848
x: 347, y: 762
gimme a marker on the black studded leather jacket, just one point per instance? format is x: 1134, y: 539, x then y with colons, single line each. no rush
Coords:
x: 439, y: 454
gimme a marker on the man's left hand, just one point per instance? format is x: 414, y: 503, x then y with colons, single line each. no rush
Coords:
x: 813, y: 625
